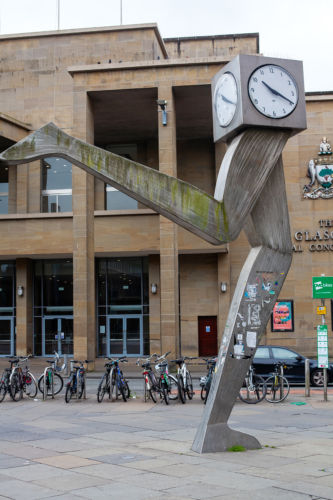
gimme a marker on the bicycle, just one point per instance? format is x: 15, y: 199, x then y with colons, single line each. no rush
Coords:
x: 277, y: 385
x: 167, y: 383
x: 254, y: 388
x: 54, y: 381
x: 113, y: 380
x: 77, y: 380
x: 21, y: 380
x: 206, y: 382
x: 151, y: 386
x: 5, y: 379
x: 184, y: 379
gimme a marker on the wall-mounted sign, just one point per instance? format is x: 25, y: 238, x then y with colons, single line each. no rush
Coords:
x: 315, y: 241
x: 282, y: 318
x: 322, y: 346
x: 322, y: 287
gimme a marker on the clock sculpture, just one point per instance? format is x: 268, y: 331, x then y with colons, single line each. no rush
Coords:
x: 258, y: 103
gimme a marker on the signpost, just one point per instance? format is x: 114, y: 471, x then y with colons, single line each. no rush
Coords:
x: 322, y: 288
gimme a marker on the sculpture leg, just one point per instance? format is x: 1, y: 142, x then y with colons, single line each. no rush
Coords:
x: 258, y: 287
x: 249, y: 312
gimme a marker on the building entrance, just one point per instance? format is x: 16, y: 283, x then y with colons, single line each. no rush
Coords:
x: 7, y: 340
x: 57, y: 335
x: 125, y: 335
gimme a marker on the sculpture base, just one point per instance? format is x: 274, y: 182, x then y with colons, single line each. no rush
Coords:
x: 219, y: 437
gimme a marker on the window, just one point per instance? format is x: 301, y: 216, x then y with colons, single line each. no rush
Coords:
x: 56, y: 185
x: 262, y: 352
x: 280, y: 353
x: 114, y: 199
x: 3, y: 190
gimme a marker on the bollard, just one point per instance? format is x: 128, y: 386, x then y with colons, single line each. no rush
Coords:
x: 307, y: 378
x: 45, y: 386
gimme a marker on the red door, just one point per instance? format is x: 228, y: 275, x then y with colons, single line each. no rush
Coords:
x: 207, y: 326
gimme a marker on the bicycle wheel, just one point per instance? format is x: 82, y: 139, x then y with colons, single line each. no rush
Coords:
x: 172, y: 388
x: 165, y: 394
x: 113, y: 387
x: 277, y: 389
x: 58, y: 384
x: 122, y: 388
x: 16, y: 387
x: 203, y: 393
x: 254, y: 393
x: 181, y: 390
x: 3, y: 390
x: 102, y: 388
x: 128, y: 390
x: 80, y: 387
x: 69, y: 391
x: 30, y: 385
x: 189, y: 386
x: 152, y: 394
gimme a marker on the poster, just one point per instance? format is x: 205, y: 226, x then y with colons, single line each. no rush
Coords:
x: 283, y: 316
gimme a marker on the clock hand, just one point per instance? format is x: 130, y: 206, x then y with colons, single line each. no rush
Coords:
x: 275, y: 92
x: 225, y: 99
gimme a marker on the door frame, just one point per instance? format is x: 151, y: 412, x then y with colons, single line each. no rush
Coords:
x: 124, y: 318
x: 12, y: 335
x: 59, y: 317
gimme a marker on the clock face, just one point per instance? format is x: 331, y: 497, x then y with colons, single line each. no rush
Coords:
x: 225, y: 99
x: 273, y: 91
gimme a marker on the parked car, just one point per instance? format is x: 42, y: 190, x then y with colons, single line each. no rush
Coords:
x: 267, y: 355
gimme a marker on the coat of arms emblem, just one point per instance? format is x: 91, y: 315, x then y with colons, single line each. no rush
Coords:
x: 320, y: 170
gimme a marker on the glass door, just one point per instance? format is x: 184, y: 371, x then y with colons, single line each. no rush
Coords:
x: 125, y: 336
x: 57, y: 335
x: 7, y: 344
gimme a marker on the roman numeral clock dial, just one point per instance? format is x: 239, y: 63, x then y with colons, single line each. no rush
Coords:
x: 273, y: 91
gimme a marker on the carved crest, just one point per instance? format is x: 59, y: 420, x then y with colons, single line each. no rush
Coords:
x: 320, y: 172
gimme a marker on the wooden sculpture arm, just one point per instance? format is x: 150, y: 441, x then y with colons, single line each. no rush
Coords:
x: 217, y: 220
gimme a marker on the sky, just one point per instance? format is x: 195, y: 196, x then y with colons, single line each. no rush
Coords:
x: 294, y: 29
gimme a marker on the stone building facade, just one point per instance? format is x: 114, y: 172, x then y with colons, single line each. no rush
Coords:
x: 85, y: 269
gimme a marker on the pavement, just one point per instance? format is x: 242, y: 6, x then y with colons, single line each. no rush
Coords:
x: 137, y: 450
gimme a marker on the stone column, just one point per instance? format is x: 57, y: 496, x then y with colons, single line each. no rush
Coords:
x: 22, y: 189
x: 223, y: 276
x: 83, y: 240
x: 223, y: 262
x: 168, y: 232
x: 34, y: 183
x: 154, y: 305
x: 24, y: 313
x: 12, y: 189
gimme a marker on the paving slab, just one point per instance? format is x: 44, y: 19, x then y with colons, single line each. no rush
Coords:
x: 141, y: 451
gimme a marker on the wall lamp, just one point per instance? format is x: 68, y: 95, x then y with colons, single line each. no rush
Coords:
x: 223, y: 287
x: 20, y: 291
x: 162, y: 104
x: 153, y: 288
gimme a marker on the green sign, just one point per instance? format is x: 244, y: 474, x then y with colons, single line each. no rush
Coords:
x: 322, y: 346
x: 322, y: 287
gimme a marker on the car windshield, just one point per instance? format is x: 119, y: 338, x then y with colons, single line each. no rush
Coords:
x: 280, y: 353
